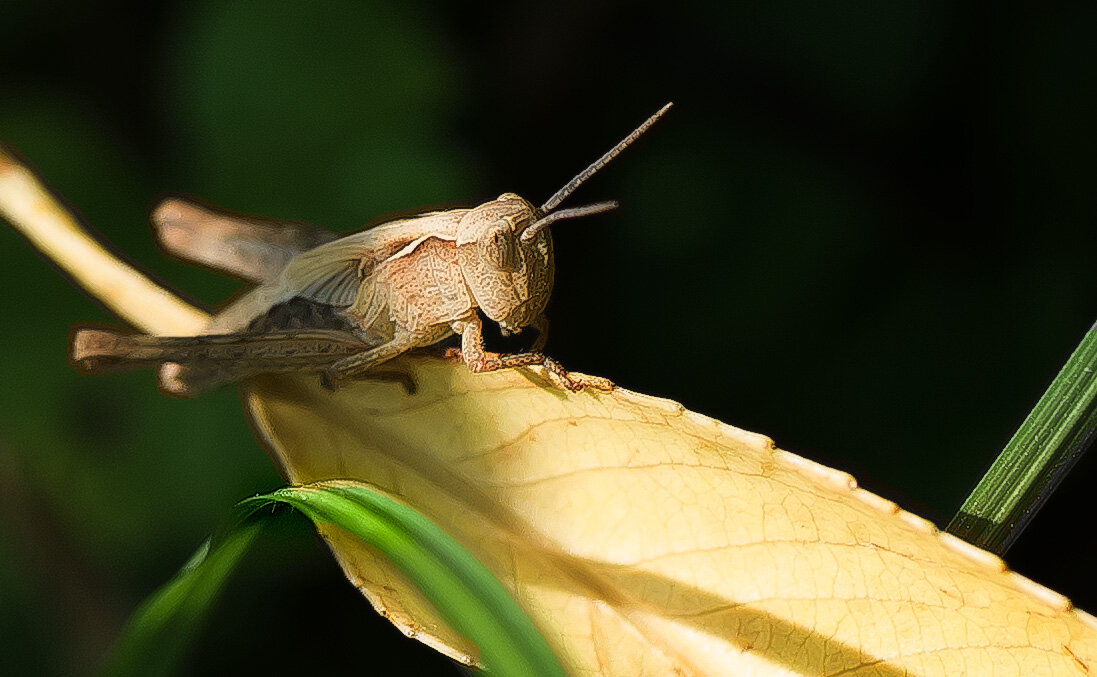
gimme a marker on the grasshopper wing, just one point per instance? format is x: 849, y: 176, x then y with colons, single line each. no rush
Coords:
x: 332, y: 273
x: 335, y: 273
x: 246, y: 247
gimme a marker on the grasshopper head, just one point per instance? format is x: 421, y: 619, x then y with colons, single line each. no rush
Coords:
x: 510, y: 277
x: 505, y: 249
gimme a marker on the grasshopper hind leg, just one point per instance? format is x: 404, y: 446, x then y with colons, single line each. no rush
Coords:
x: 178, y: 379
x: 364, y: 364
x: 190, y: 365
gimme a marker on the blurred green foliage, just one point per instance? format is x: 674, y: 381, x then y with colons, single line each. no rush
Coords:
x: 863, y: 231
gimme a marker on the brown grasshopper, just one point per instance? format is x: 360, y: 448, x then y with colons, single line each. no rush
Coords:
x: 345, y: 306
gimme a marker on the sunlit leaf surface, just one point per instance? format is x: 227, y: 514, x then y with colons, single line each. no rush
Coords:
x: 646, y: 539
x: 639, y: 537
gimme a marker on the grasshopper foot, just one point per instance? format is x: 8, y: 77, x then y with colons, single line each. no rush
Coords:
x: 572, y: 381
x: 560, y: 377
x: 329, y: 380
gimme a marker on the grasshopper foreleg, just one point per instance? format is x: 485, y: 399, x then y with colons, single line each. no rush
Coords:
x: 480, y: 361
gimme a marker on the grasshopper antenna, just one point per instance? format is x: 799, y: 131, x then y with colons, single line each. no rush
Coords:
x: 562, y: 194
x: 545, y: 221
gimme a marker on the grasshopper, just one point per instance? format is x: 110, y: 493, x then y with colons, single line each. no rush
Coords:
x: 345, y: 306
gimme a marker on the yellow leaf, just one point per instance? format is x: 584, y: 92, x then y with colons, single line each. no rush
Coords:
x: 641, y: 538
x: 28, y: 206
x: 646, y: 539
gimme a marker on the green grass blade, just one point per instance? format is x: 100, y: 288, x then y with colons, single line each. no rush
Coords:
x: 463, y: 591
x: 159, y: 631
x: 1049, y: 442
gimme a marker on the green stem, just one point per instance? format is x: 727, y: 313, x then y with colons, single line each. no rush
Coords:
x: 1043, y: 450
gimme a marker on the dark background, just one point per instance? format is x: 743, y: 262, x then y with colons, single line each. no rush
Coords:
x: 866, y: 230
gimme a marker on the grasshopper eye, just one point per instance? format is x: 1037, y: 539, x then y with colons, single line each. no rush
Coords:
x: 497, y: 247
